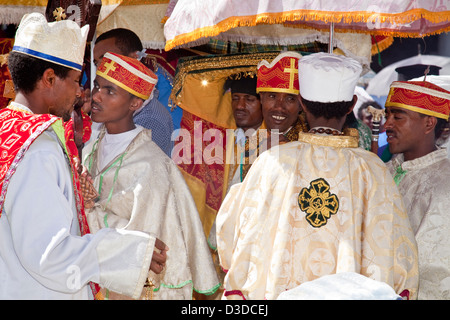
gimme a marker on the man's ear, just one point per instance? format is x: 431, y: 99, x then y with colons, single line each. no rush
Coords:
x: 430, y: 124
x: 48, y: 78
x: 355, y: 99
x: 136, y: 103
x: 302, y: 106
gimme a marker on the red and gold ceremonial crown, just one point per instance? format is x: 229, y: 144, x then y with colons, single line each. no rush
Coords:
x: 128, y: 73
x: 420, y: 96
x: 281, y: 75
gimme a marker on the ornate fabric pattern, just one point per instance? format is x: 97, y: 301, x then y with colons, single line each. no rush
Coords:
x: 128, y: 73
x: 61, y: 42
x: 143, y: 190
x: 69, y: 134
x: 17, y: 131
x: 267, y: 246
x: 317, y: 202
x: 420, y: 96
x: 6, y: 45
x: 425, y: 190
x: 207, y: 182
x: 281, y: 75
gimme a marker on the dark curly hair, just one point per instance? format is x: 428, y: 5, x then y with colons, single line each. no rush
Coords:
x: 330, y: 110
x: 126, y: 40
x: 26, y: 70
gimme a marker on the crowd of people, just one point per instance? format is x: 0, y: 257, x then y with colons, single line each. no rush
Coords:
x: 305, y: 198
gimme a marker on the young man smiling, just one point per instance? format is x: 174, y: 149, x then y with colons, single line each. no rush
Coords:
x: 279, y: 88
x: 140, y: 187
x: 416, y: 113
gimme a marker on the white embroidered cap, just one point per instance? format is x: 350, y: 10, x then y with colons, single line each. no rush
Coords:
x: 326, y: 77
x: 62, y: 42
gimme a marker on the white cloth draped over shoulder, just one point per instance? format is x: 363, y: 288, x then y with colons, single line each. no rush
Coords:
x: 142, y: 189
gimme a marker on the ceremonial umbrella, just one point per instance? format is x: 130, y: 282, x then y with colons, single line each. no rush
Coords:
x: 194, y: 20
x: 144, y: 17
x: 285, y: 21
x: 12, y: 11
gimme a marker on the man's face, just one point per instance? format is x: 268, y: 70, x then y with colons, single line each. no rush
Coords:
x: 280, y: 110
x: 104, y: 46
x: 404, y: 130
x: 65, y: 94
x: 110, y: 103
x: 246, y: 110
x: 367, y: 118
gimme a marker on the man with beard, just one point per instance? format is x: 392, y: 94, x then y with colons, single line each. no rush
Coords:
x: 247, y: 113
x: 46, y: 249
x: 416, y: 114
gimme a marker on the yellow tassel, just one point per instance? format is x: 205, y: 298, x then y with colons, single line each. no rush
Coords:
x: 312, y: 15
x: 382, y: 45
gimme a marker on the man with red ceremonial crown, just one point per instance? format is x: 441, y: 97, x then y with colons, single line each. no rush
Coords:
x: 140, y: 187
x: 278, y: 87
x: 416, y: 114
x: 46, y: 249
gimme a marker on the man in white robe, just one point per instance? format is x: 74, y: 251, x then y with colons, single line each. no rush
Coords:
x: 416, y: 113
x: 140, y: 187
x: 46, y: 251
x: 316, y: 206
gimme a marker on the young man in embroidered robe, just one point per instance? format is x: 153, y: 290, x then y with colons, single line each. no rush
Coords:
x: 416, y: 113
x: 316, y: 206
x: 46, y: 251
x: 140, y: 187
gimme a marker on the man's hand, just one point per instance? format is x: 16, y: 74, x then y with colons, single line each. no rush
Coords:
x: 87, y: 189
x: 159, y: 258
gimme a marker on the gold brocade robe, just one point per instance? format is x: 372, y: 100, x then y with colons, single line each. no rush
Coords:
x: 145, y: 191
x: 314, y: 207
x: 425, y: 188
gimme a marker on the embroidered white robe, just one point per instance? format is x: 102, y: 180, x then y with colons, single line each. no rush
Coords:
x: 149, y: 194
x: 425, y: 188
x: 356, y: 220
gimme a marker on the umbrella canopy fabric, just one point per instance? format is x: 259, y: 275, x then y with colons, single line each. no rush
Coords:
x: 12, y: 11
x: 192, y: 20
x: 144, y: 17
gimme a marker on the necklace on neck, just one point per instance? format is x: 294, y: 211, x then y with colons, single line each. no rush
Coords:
x: 326, y: 130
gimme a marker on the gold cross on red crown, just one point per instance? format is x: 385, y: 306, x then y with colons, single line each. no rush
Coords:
x: 110, y: 66
x: 292, y: 71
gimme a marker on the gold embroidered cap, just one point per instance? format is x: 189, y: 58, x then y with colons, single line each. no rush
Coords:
x: 326, y: 77
x: 420, y: 96
x: 281, y: 75
x: 128, y: 73
x: 61, y: 42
